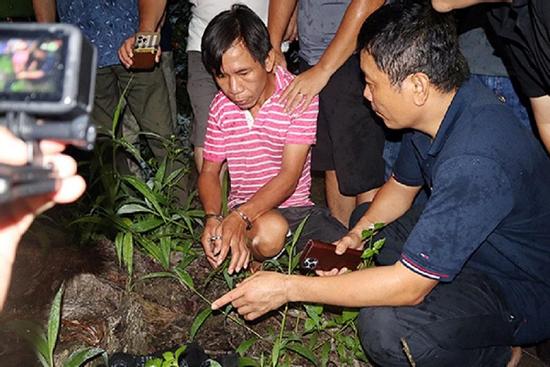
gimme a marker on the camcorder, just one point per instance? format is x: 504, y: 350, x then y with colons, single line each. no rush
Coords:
x: 47, y: 81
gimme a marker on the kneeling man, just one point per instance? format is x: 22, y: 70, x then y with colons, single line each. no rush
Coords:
x: 267, y: 149
x: 465, y: 277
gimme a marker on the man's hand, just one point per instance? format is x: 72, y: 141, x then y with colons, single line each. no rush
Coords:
x: 351, y: 240
x: 210, y: 242
x: 301, y: 91
x: 218, y: 238
x: 13, y: 151
x: 126, y: 52
x: 16, y: 218
x: 256, y: 295
x: 232, y: 234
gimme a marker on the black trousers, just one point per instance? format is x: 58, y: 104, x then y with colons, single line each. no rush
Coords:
x: 462, y: 323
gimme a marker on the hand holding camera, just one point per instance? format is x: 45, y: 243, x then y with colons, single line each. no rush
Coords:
x: 47, y: 77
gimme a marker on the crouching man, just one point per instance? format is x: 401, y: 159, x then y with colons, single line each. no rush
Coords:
x: 466, y: 277
x: 267, y: 149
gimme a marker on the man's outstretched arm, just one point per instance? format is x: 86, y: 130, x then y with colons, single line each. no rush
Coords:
x: 393, y: 285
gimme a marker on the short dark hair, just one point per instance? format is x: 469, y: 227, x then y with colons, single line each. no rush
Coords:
x: 239, y: 23
x: 409, y: 37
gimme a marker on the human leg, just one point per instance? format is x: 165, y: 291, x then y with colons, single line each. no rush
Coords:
x: 201, y: 89
x: 107, y: 94
x: 147, y: 98
x: 267, y: 236
x: 341, y: 206
x: 169, y: 73
x: 462, y: 323
x: 320, y: 224
x: 353, y: 148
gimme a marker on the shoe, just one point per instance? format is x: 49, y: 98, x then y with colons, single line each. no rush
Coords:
x: 194, y: 356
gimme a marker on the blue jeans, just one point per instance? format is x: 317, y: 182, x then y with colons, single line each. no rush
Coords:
x: 505, y: 92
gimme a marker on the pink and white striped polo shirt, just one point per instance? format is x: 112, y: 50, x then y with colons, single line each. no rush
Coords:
x: 253, y: 148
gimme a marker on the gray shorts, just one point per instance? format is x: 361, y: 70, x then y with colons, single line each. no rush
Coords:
x: 201, y: 89
x: 319, y: 226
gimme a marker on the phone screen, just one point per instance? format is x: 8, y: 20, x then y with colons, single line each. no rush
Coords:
x: 32, y: 65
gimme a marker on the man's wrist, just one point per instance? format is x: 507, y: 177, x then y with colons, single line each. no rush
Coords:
x: 147, y: 27
x: 244, y: 217
x: 213, y: 216
x: 289, y: 284
x: 354, y: 235
x: 326, y: 69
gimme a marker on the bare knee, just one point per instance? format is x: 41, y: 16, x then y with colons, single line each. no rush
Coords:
x: 269, y: 233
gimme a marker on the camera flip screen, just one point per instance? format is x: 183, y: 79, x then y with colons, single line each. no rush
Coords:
x: 32, y: 67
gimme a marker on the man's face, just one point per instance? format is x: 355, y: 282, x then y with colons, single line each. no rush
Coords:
x: 391, y: 103
x: 244, y: 80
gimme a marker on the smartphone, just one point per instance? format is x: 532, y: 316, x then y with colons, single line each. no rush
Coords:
x: 318, y: 255
x: 145, y: 50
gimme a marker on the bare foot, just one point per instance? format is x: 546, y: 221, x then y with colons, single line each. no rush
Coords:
x: 516, y: 356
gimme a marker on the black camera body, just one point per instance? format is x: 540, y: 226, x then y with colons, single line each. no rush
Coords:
x: 47, y: 82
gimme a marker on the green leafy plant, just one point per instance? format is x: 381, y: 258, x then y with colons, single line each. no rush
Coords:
x: 44, y: 342
x: 318, y: 335
x: 372, y: 247
x: 142, y: 211
x: 169, y: 359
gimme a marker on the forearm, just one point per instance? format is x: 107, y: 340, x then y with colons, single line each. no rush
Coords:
x: 280, y: 12
x: 392, y: 285
x: 270, y: 196
x: 150, y: 15
x: 390, y: 203
x: 44, y: 10
x: 541, y: 110
x: 344, y: 42
x: 210, y: 192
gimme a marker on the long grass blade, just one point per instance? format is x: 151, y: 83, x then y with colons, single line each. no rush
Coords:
x: 78, y: 357
x: 199, y: 321
x: 53, y: 322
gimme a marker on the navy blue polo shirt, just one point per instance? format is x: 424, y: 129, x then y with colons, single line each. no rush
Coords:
x: 489, y: 204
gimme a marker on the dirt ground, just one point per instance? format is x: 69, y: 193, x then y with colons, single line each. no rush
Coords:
x: 98, y: 310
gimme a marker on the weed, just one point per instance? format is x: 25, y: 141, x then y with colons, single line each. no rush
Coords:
x: 44, y: 342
